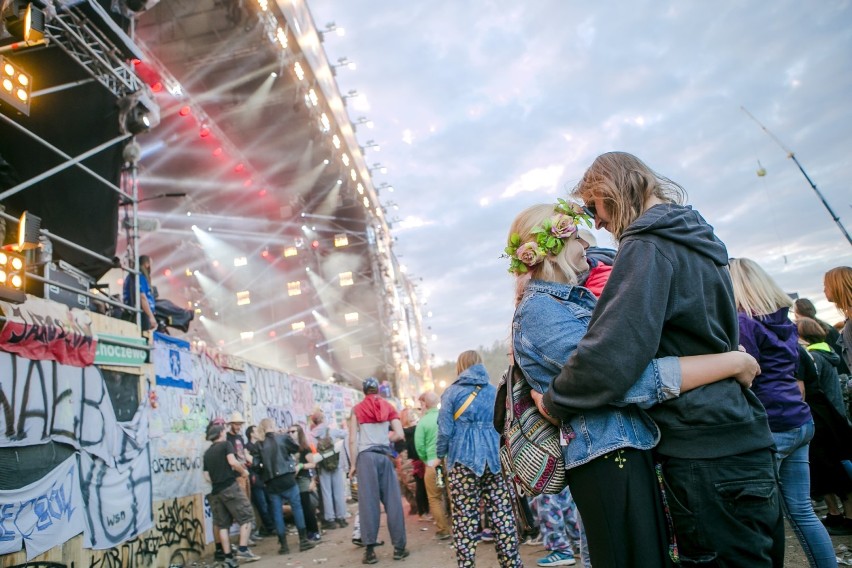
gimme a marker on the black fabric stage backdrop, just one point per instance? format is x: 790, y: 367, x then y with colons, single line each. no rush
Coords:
x: 72, y: 204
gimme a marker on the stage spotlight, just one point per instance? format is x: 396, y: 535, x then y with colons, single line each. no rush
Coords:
x: 28, y: 25
x: 28, y: 231
x: 12, y: 271
x: 15, y: 86
x: 138, y: 113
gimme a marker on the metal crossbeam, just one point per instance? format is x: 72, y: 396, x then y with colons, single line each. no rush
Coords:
x: 85, y: 43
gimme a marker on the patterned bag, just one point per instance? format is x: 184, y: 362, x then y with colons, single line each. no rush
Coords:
x: 530, y: 449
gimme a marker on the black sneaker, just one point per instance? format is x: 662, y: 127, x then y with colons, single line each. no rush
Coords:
x: 370, y: 556
x: 341, y: 522
x: 219, y: 555
x: 400, y: 553
x: 837, y: 525
x: 328, y: 525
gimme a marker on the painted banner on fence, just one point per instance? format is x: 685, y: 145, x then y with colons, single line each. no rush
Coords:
x: 173, y: 362
x: 43, y: 514
x: 43, y: 400
x: 118, y: 502
x: 40, y: 329
x: 176, y: 465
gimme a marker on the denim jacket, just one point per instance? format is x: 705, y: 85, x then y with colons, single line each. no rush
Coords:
x: 549, y: 322
x: 471, y: 440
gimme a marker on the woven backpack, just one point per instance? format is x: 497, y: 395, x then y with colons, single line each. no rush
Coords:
x: 530, y: 451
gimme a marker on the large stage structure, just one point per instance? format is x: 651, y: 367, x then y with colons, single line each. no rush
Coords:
x: 211, y: 136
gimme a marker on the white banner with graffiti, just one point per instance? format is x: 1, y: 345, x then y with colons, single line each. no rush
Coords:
x: 43, y: 514
x: 118, y: 502
x: 177, y: 464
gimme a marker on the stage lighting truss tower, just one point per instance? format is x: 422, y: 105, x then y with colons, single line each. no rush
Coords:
x: 71, y: 31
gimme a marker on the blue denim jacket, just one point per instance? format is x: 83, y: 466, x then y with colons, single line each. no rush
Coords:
x: 549, y: 322
x: 471, y: 440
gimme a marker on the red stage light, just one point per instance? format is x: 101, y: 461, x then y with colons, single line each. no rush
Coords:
x: 262, y: 192
x: 247, y: 183
x: 135, y: 61
x: 272, y: 333
x: 217, y: 152
x: 265, y: 253
x: 239, y: 167
x: 204, y: 132
x: 315, y: 244
x: 157, y: 87
x: 167, y: 272
x: 184, y: 111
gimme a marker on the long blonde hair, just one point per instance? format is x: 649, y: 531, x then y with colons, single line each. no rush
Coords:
x: 755, y: 292
x: 266, y: 426
x: 553, y: 268
x: 624, y: 183
x: 466, y: 360
x: 838, y: 286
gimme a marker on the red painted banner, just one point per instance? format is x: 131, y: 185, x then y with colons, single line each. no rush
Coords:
x: 43, y: 330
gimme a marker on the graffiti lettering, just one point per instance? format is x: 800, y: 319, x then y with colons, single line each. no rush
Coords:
x: 175, y: 465
x: 46, y: 329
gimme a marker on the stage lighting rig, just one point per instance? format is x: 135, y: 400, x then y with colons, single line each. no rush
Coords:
x: 137, y: 113
x: 12, y: 277
x: 15, y: 86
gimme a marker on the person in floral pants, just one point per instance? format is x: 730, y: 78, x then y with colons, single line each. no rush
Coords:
x: 469, y: 443
x: 560, y: 527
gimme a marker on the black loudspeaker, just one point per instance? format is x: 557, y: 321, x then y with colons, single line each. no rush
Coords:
x: 69, y: 277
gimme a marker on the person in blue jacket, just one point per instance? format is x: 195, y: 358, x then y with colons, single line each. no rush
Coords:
x: 469, y: 443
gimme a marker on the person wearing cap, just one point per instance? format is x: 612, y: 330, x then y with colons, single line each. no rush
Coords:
x: 374, y: 423
x: 227, y: 502
x: 234, y: 435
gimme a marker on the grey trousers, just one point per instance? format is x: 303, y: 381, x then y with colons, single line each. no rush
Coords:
x: 333, y: 494
x: 377, y: 483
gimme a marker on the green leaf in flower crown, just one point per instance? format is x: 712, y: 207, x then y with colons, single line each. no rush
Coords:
x: 515, y: 239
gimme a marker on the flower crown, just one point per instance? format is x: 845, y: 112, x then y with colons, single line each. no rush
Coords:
x: 550, y: 237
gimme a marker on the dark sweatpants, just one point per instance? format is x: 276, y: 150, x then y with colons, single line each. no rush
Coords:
x: 377, y: 482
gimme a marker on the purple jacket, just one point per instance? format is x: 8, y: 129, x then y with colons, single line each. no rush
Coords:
x: 772, y: 340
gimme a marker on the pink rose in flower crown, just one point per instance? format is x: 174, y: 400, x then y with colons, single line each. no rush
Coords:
x: 562, y: 226
x: 530, y: 254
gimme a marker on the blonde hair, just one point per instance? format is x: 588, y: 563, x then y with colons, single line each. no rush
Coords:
x: 466, y: 360
x: 553, y: 268
x: 624, y: 183
x: 266, y: 426
x: 408, y: 417
x: 838, y: 287
x: 755, y: 292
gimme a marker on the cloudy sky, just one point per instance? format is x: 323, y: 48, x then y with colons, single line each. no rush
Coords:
x: 482, y: 108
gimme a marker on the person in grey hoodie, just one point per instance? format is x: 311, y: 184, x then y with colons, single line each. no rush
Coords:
x: 670, y: 293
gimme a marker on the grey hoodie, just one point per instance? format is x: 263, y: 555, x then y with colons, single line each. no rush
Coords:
x: 669, y: 294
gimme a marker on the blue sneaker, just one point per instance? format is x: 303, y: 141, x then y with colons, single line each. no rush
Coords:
x: 557, y: 558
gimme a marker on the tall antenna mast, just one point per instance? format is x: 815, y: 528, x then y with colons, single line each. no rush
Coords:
x: 792, y: 156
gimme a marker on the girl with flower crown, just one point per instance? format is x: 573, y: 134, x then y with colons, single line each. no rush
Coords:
x: 670, y: 294
x: 606, y: 450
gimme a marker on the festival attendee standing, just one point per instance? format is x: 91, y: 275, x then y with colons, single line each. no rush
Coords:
x: 370, y: 439
x: 228, y: 503
x: 468, y: 442
x: 331, y: 473
x: 279, y: 475
x: 426, y: 440
x: 306, y: 479
x: 767, y: 333
x: 235, y: 437
x: 258, y: 489
x: 831, y: 446
x: 804, y: 308
x: 838, y: 290
x: 608, y: 463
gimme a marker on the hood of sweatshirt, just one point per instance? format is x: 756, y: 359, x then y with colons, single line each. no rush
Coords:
x: 475, y: 375
x: 779, y: 324
x: 826, y: 352
x: 681, y: 224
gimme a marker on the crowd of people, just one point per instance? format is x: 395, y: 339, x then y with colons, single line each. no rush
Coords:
x: 698, y: 405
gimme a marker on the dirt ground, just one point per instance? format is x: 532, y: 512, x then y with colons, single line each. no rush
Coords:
x: 337, y: 551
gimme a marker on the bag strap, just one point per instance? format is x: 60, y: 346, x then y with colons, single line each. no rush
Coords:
x: 467, y: 402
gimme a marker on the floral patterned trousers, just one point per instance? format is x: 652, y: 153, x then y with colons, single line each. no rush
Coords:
x: 466, y: 491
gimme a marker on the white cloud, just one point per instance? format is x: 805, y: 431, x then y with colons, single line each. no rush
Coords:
x: 539, y: 179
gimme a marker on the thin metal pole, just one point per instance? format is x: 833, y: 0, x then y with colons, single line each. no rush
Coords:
x: 792, y: 156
